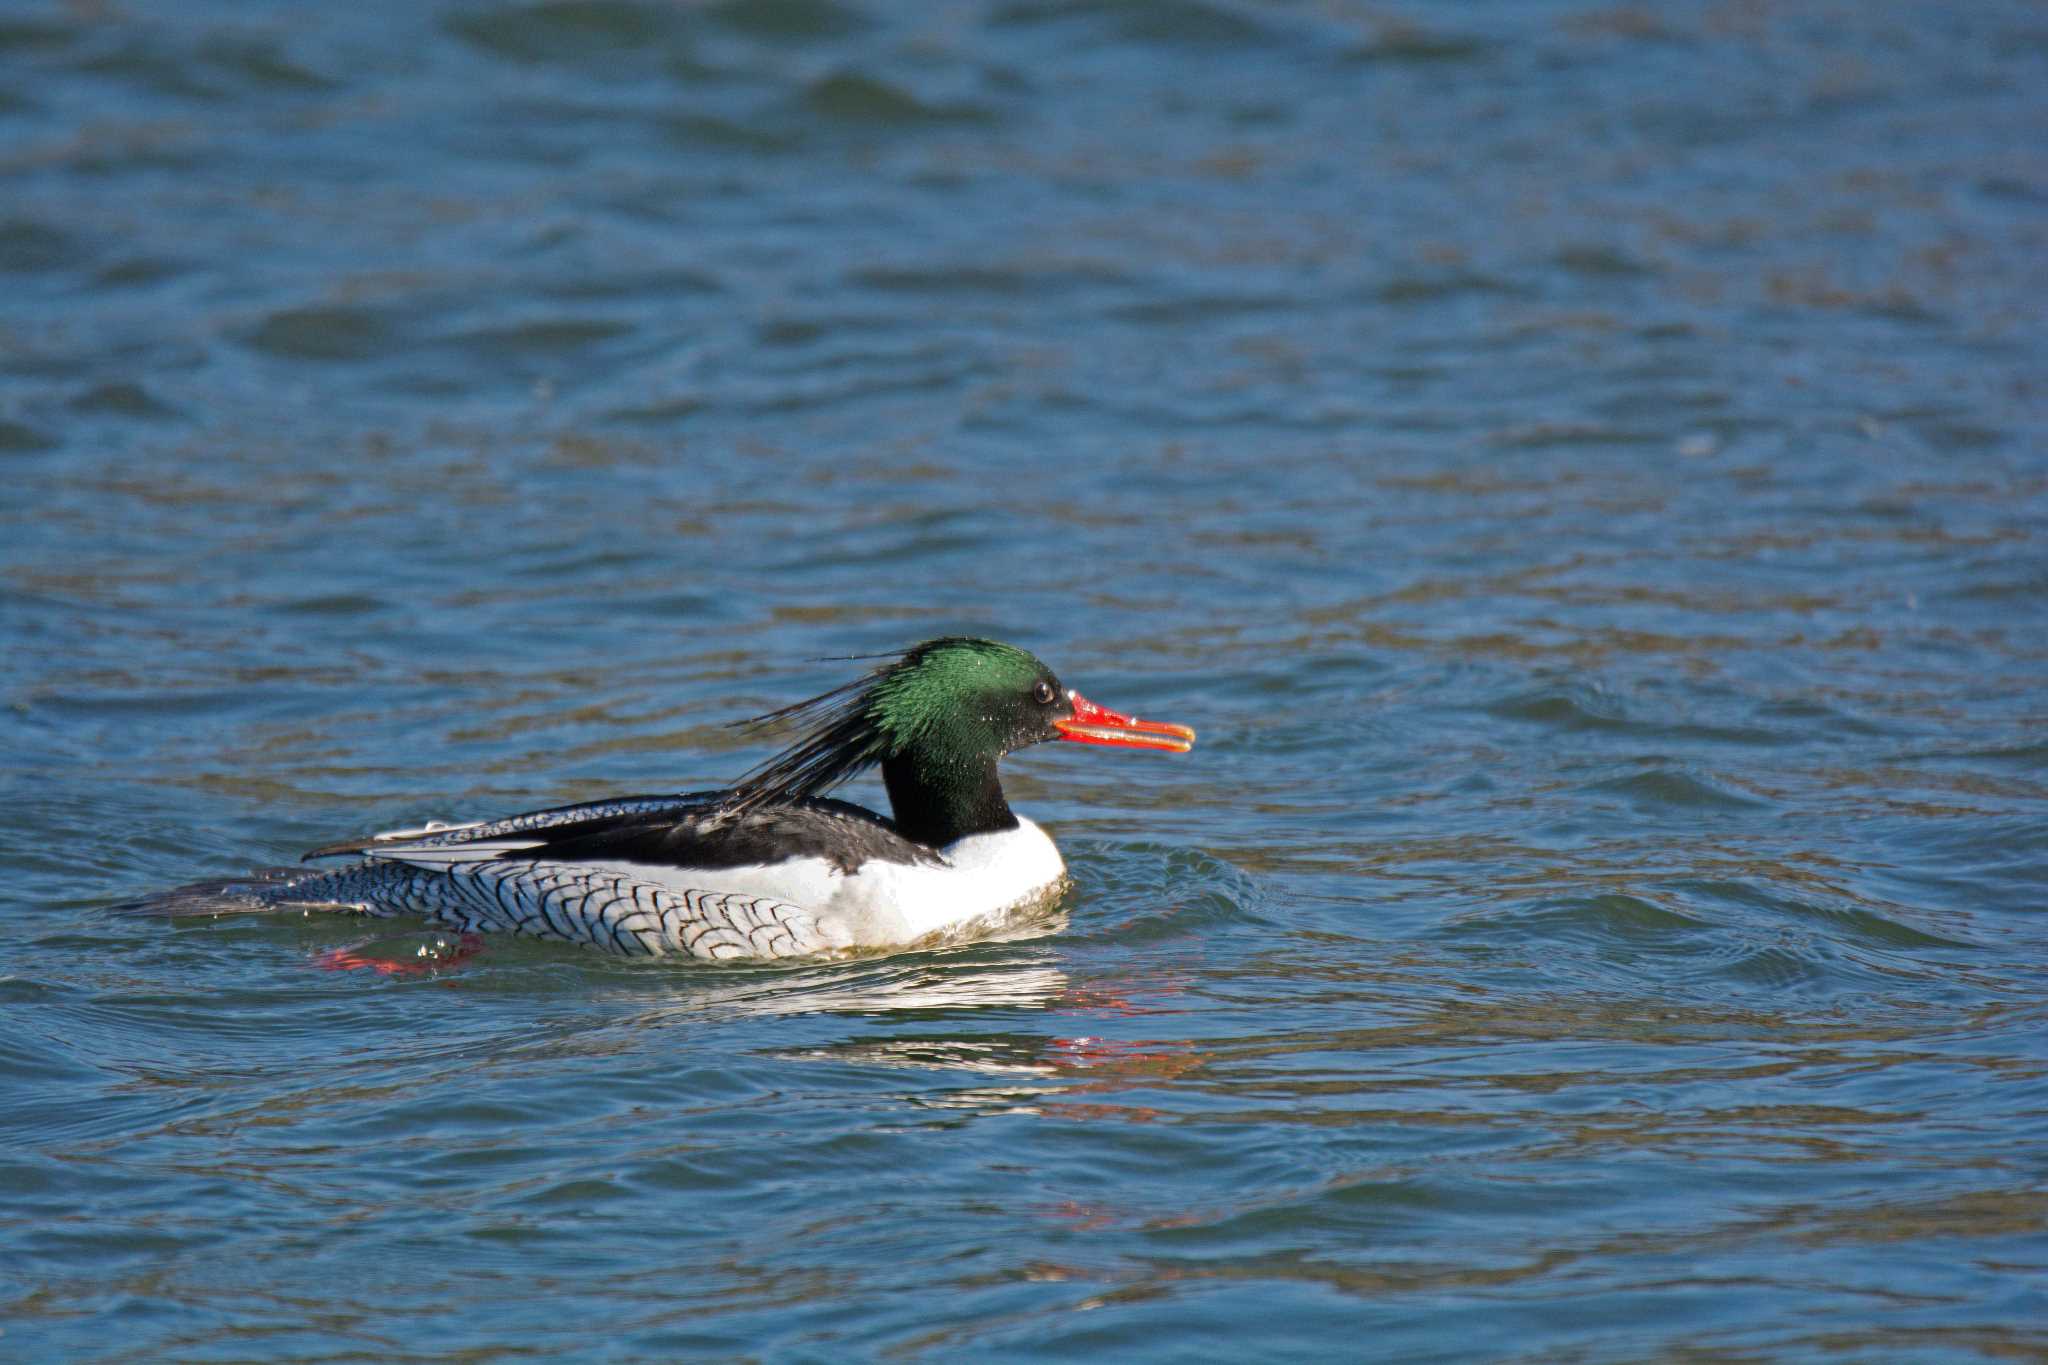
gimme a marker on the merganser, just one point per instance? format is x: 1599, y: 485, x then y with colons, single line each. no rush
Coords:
x: 773, y: 868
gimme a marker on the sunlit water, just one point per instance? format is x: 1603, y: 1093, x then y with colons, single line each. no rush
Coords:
x: 1580, y: 468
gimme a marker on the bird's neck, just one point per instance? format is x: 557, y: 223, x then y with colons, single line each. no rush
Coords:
x: 938, y: 798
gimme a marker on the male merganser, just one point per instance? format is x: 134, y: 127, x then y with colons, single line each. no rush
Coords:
x: 772, y: 868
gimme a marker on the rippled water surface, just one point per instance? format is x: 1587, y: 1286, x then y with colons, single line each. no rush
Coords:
x: 1581, y: 468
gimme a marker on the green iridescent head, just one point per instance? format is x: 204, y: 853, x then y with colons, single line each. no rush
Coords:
x: 963, y: 690
x: 938, y: 716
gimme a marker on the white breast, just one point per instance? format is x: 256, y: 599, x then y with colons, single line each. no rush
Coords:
x: 987, y: 875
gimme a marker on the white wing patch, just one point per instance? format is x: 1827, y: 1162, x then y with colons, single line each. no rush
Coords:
x: 393, y: 836
x: 439, y: 856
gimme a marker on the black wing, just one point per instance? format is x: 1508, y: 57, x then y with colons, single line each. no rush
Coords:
x: 697, y: 830
x: 587, y: 813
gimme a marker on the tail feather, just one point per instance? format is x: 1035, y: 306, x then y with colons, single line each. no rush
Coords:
x: 247, y: 895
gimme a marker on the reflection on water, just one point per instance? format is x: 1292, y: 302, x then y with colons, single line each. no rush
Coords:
x: 919, y: 984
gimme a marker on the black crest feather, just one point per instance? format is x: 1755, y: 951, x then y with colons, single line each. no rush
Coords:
x: 840, y: 741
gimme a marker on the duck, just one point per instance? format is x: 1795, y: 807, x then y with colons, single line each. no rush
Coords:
x: 772, y: 867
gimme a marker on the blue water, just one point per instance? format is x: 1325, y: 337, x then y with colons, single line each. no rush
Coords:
x: 1582, y: 468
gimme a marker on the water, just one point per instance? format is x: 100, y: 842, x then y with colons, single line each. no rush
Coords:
x: 1580, y: 468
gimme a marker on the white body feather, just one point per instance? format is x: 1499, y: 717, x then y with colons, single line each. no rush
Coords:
x: 803, y: 905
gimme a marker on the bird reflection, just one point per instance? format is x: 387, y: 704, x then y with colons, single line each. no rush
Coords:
x: 1049, y: 1073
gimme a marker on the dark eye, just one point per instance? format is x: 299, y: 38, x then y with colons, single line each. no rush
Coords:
x: 1043, y: 693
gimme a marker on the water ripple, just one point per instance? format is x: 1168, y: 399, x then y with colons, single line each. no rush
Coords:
x: 1577, y: 466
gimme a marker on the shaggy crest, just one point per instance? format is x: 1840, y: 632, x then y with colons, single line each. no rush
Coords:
x: 896, y: 707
